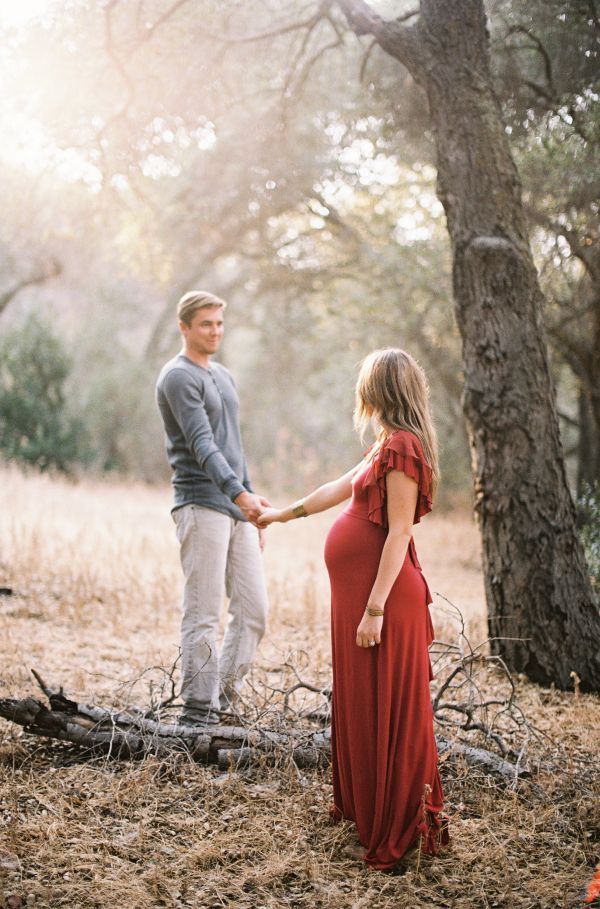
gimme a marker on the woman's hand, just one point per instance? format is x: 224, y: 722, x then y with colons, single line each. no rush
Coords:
x: 368, y: 633
x: 269, y: 516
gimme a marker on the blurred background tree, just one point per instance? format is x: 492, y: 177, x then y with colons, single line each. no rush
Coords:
x: 144, y: 155
x: 548, y: 71
x: 36, y: 425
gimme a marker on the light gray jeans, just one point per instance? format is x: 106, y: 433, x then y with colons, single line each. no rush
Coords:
x: 218, y: 555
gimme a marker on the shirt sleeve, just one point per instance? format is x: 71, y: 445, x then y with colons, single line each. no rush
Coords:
x: 185, y: 401
x: 246, y: 477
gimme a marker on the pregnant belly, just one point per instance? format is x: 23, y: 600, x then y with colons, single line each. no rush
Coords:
x: 353, y: 548
x: 352, y: 554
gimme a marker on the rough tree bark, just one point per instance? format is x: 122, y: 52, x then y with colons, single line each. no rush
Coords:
x: 542, y: 613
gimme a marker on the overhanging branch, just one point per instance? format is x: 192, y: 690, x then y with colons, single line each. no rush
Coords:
x: 398, y: 39
x: 274, y: 32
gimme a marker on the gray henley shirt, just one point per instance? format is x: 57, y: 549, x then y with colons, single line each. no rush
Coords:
x: 200, y: 411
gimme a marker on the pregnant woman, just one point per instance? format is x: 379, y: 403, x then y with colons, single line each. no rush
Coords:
x: 384, y: 756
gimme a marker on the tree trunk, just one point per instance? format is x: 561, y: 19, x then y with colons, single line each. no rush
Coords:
x: 542, y: 615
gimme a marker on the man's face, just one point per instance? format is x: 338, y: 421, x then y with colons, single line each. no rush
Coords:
x: 205, y: 333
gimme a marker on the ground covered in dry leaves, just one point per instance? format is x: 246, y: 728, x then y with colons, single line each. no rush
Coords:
x: 95, y: 579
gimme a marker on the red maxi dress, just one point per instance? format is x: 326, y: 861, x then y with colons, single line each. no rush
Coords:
x: 384, y: 755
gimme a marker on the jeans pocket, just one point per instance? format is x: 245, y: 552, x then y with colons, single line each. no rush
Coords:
x: 181, y: 517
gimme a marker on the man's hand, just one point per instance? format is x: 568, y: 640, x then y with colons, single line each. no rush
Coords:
x: 262, y: 538
x: 251, y: 506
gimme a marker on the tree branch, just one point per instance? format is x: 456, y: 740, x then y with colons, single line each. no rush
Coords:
x: 275, y: 32
x: 132, y: 734
x: 579, y: 250
x: 550, y: 94
x: 50, y: 269
x: 299, y: 74
x: 114, y: 56
x: 399, y: 40
x: 568, y: 419
x: 540, y: 48
x: 162, y: 19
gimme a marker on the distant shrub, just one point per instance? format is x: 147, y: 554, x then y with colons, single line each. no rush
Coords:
x: 35, y: 425
x: 589, y: 523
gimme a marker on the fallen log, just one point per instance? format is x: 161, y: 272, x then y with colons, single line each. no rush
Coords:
x: 127, y: 735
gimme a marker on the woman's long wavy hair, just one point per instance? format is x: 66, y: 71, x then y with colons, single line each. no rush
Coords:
x: 392, y: 393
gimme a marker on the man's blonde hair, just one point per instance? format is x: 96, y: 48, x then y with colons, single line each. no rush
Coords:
x: 194, y: 300
x: 392, y: 390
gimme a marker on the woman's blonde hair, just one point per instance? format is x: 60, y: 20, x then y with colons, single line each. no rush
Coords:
x: 392, y: 393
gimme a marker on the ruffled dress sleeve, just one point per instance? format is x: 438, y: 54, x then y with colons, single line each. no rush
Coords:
x: 401, y: 451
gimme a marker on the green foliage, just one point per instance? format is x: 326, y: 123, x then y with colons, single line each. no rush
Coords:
x: 35, y: 426
x: 589, y: 520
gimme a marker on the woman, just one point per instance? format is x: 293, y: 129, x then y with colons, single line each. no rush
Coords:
x: 384, y: 756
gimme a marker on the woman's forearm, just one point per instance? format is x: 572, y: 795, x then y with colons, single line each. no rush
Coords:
x: 326, y: 496
x: 391, y: 561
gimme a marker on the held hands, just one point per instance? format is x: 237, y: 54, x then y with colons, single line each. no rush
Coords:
x: 251, y: 506
x: 368, y: 633
x: 269, y: 516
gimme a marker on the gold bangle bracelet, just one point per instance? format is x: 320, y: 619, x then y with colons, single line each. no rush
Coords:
x: 298, y: 509
x: 371, y: 610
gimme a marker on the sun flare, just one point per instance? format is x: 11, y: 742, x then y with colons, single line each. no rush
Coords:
x: 20, y: 12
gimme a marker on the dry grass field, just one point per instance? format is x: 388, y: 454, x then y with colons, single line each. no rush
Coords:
x: 95, y: 607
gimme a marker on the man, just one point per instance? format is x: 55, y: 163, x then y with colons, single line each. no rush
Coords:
x: 214, y: 505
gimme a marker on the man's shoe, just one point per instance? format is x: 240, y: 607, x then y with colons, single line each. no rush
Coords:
x: 200, y: 721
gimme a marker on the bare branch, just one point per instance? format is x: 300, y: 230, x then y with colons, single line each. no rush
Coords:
x: 583, y: 251
x: 539, y: 90
x: 548, y: 93
x: 114, y: 56
x: 282, y: 720
x: 165, y: 16
x: 298, y: 56
x: 50, y: 269
x: 304, y: 72
x: 568, y: 419
x: 399, y: 40
x: 539, y: 46
x: 275, y: 32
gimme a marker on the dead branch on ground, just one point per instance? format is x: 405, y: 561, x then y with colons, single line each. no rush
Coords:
x: 288, y: 718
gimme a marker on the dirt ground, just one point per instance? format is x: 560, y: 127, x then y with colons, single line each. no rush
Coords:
x: 95, y: 608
